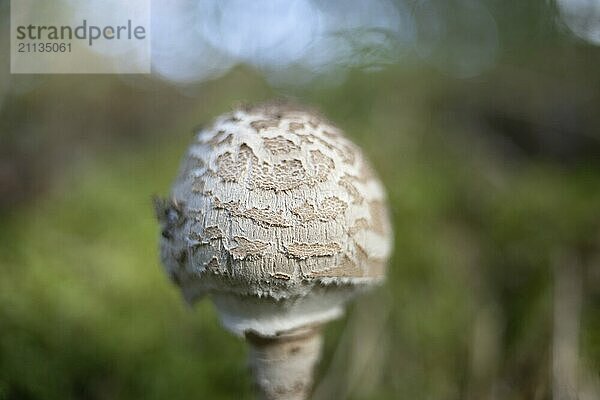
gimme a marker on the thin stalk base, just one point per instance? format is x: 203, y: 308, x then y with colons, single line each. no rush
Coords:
x: 282, y: 366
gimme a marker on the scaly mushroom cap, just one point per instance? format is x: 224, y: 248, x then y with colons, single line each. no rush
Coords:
x: 278, y: 216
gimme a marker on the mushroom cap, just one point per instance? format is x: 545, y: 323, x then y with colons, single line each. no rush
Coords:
x: 276, y: 215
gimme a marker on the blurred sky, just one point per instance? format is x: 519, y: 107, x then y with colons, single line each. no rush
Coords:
x: 295, y: 41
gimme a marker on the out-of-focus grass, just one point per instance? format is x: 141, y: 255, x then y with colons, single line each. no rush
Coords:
x: 86, y: 312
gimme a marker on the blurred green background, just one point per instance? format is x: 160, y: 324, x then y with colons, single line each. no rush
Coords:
x: 493, y: 176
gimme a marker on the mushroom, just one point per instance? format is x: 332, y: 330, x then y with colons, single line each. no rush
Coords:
x: 279, y: 218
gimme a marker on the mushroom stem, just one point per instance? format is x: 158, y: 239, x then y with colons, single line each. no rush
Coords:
x: 282, y: 366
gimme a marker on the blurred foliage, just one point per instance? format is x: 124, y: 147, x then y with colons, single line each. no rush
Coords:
x: 86, y: 312
x: 493, y: 182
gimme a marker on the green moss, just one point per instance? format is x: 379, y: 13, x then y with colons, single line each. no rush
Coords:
x: 87, y: 313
